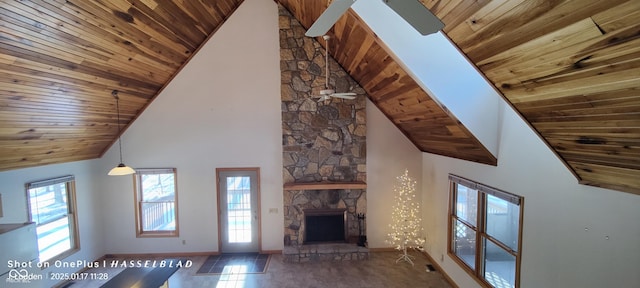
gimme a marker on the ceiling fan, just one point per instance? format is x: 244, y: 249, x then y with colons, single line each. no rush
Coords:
x: 327, y: 93
x: 412, y: 11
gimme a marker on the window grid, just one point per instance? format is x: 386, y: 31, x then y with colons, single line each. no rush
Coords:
x: 156, y: 202
x: 239, y: 209
x: 52, y: 207
x: 489, y: 249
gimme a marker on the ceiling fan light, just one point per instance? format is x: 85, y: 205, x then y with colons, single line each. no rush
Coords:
x: 121, y: 169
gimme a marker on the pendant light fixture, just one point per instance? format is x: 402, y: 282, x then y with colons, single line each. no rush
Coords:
x: 121, y: 169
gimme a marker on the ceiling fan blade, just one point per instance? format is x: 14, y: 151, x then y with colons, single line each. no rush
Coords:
x: 349, y: 96
x: 417, y: 15
x: 329, y: 17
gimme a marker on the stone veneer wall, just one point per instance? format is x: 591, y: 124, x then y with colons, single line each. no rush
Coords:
x: 322, y: 141
x: 295, y: 201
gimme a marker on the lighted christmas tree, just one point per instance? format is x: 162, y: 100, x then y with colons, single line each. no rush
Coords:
x: 405, y: 218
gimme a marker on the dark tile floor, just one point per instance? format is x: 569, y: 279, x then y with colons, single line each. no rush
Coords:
x: 237, y: 262
x: 379, y: 271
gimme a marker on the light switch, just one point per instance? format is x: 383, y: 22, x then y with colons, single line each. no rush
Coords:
x: 273, y: 210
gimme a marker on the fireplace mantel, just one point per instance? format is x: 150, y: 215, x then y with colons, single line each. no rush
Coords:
x: 325, y: 185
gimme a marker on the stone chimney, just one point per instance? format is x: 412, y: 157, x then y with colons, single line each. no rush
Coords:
x: 323, y: 142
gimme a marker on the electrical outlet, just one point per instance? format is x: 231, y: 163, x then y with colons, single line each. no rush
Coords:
x: 430, y: 268
x: 273, y: 210
x: 184, y: 242
x: 441, y: 257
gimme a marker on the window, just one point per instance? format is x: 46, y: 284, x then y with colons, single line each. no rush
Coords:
x: 52, y: 206
x: 156, y: 198
x: 485, y: 232
x: 239, y: 209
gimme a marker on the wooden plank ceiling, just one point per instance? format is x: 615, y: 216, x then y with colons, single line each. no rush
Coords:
x: 431, y: 127
x: 570, y: 68
x: 61, y: 59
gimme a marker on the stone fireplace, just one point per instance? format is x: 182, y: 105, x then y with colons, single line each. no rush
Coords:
x: 324, y: 148
x: 298, y: 204
x: 337, y: 211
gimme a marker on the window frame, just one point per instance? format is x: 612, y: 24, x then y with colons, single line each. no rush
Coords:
x: 477, y: 272
x: 72, y: 213
x: 140, y: 232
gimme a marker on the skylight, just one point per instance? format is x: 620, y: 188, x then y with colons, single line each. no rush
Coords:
x: 440, y: 69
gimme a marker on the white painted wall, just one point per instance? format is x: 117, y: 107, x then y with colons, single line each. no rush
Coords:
x: 222, y: 110
x: 14, y: 202
x: 566, y: 225
x: 389, y: 153
x: 440, y: 69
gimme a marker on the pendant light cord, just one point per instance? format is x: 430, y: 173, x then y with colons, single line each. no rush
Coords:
x: 115, y: 94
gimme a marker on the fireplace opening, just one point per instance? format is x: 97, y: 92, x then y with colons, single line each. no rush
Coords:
x: 325, y: 225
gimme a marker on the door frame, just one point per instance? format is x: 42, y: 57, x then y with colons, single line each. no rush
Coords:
x: 259, y: 203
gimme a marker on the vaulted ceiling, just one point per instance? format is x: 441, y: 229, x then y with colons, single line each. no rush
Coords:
x: 60, y: 60
x: 570, y: 68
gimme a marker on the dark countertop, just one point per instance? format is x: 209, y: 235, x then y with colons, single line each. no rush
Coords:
x: 4, y: 228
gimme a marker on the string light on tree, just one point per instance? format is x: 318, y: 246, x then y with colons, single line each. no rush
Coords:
x: 405, y: 218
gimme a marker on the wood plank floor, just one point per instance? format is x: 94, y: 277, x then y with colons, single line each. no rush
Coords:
x: 379, y: 271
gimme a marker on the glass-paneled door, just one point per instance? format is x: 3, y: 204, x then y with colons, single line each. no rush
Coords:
x: 238, y: 204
